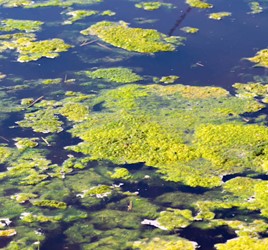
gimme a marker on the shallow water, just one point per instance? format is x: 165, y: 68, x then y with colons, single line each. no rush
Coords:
x: 214, y: 56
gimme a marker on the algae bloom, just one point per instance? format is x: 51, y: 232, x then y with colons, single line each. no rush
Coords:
x: 132, y: 39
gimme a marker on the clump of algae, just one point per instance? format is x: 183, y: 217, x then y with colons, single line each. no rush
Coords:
x: 199, y: 4
x: 21, y: 25
x: 260, y: 59
x: 78, y: 15
x: 132, y: 39
x: 119, y: 75
x: 150, y: 6
x: 219, y: 15
x: 31, y: 50
x: 190, y: 30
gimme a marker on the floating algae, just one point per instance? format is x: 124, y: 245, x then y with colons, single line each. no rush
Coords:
x: 31, y: 50
x: 119, y: 75
x: 78, y: 15
x: 132, y: 39
x: 219, y: 15
x: 261, y: 58
x: 150, y: 6
x: 21, y: 25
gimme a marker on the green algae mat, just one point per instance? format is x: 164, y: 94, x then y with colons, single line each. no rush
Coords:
x: 133, y: 125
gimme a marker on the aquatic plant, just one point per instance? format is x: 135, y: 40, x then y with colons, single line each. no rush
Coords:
x: 175, y: 218
x: 121, y: 173
x: 8, y: 25
x: 74, y: 111
x: 52, y: 81
x: 260, y: 59
x: 5, y: 153
x: 108, y: 13
x: 168, y: 79
x: 190, y: 30
x: 255, y: 7
x: 150, y: 6
x: 132, y: 39
x: 49, y: 203
x: 120, y: 75
x: 7, y: 232
x: 199, y: 4
x: 44, y: 121
x: 219, y: 15
x: 23, y: 143
x: 252, y: 90
x: 31, y: 50
x: 15, y: 3
x: 78, y: 15
x: 23, y: 197
x: 244, y: 242
x: 165, y: 242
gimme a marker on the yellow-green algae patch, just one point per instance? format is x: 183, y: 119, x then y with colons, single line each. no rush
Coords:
x: 44, y: 121
x: 167, y: 127
x: 119, y: 75
x: 252, y: 90
x: 260, y: 59
x: 244, y: 242
x: 190, y: 30
x: 52, y: 81
x: 132, y: 39
x: 219, y: 15
x: 150, y: 6
x: 201, y: 4
x: 167, y: 243
x: 31, y: 50
x: 74, y: 111
x: 78, y: 15
x: 255, y: 7
x: 21, y: 25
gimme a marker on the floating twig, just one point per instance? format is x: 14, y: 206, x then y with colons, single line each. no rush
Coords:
x: 3, y: 138
x: 200, y: 64
x: 35, y: 101
x: 103, y: 46
x: 89, y: 42
x: 45, y: 140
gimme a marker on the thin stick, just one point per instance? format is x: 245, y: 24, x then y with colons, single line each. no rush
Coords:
x: 35, y: 101
x: 130, y: 206
x: 5, y: 139
x: 45, y: 141
x: 89, y: 42
x: 103, y: 46
x: 200, y: 64
x: 65, y: 78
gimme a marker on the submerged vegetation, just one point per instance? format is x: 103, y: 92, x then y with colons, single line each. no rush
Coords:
x: 104, y: 148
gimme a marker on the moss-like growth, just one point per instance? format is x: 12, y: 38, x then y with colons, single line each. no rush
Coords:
x: 44, y: 121
x: 219, y: 15
x: 261, y: 58
x: 31, y: 50
x: 132, y: 39
x: 23, y: 197
x: 78, y: 15
x: 168, y: 243
x: 74, y: 111
x: 175, y: 218
x: 255, y: 7
x: 244, y: 243
x: 121, y: 173
x: 21, y: 25
x: 199, y: 4
x: 190, y: 30
x: 24, y: 143
x: 252, y: 90
x: 49, y: 203
x: 120, y: 75
x: 7, y: 232
x: 5, y: 153
x: 242, y: 187
x: 108, y: 13
x: 15, y: 3
x: 152, y: 5
x: 99, y: 191
x: 52, y: 81
x: 168, y: 79
x: 27, y: 217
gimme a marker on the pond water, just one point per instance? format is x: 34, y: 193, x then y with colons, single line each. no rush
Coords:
x: 129, y: 124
